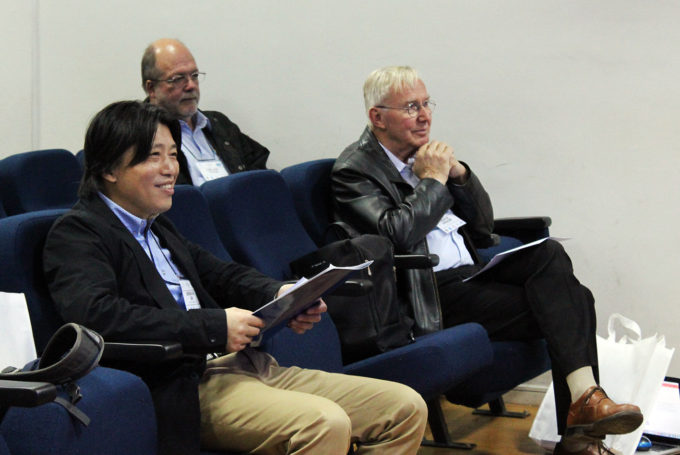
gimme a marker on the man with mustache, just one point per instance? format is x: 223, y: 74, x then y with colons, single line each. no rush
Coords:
x: 212, y: 145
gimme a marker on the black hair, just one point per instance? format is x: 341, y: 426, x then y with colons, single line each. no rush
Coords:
x: 114, y: 130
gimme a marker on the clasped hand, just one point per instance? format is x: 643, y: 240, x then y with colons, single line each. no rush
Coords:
x: 436, y: 160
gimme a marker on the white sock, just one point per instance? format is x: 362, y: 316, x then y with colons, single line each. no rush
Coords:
x: 579, y: 381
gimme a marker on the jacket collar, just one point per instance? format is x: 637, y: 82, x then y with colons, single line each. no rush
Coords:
x: 369, y: 144
x: 152, y: 280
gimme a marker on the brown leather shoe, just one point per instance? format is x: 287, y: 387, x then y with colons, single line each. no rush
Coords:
x: 595, y: 448
x: 595, y: 415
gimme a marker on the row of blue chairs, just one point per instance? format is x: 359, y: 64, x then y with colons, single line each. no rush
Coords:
x: 252, y: 217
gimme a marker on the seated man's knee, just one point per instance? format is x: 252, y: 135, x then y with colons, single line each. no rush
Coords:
x: 409, y: 405
x: 327, y: 429
x: 414, y: 405
x: 552, y: 246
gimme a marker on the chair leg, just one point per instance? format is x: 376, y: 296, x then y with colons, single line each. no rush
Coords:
x: 440, y: 431
x: 497, y: 409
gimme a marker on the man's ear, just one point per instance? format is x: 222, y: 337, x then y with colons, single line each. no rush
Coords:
x: 375, y: 115
x: 148, y: 88
x: 109, y: 176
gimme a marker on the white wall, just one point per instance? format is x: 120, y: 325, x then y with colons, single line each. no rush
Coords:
x: 16, y: 23
x: 564, y: 108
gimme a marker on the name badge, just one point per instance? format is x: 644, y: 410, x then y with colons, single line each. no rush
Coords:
x: 450, y: 223
x: 190, y: 298
x: 212, y: 169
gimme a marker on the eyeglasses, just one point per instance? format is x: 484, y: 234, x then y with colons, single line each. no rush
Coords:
x: 413, y: 108
x: 181, y: 80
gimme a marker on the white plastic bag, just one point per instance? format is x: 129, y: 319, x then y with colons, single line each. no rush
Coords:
x: 16, y: 337
x: 631, y: 371
x: 544, y: 429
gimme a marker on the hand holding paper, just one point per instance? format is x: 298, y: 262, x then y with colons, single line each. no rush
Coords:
x: 306, y: 320
x: 242, y: 327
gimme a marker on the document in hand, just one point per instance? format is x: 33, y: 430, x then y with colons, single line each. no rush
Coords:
x: 504, y: 254
x: 304, y: 294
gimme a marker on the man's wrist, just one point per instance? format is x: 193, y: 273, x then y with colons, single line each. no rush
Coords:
x: 441, y: 178
x: 459, y: 174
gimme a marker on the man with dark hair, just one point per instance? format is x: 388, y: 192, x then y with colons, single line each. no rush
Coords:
x: 115, y: 264
x: 397, y: 183
x: 212, y: 145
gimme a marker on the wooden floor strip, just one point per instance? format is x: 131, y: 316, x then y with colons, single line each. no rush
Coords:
x: 493, y: 435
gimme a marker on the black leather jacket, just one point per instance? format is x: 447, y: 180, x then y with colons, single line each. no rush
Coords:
x: 370, y: 195
x: 237, y: 151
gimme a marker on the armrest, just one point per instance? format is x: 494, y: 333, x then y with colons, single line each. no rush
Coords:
x: 487, y: 242
x: 353, y: 288
x: 142, y: 352
x: 508, y: 225
x: 525, y: 229
x: 26, y: 394
x: 415, y: 261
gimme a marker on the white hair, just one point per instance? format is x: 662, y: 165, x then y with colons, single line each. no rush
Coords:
x: 382, y: 81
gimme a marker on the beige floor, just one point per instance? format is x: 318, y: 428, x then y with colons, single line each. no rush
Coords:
x: 493, y: 435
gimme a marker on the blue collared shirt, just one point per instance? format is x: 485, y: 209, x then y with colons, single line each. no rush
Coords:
x: 450, y: 247
x: 161, y: 257
x: 196, y: 147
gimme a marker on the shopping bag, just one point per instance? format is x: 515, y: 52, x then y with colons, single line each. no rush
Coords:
x: 544, y: 428
x: 16, y: 337
x: 631, y: 371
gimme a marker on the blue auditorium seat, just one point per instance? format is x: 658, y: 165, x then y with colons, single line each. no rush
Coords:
x: 37, y: 180
x: 121, y: 412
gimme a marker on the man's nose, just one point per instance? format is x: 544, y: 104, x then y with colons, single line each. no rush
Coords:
x: 170, y: 166
x: 424, y: 114
x: 191, y: 84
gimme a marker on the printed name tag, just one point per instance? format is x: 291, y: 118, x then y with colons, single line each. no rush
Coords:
x: 190, y: 298
x: 212, y: 169
x: 450, y: 223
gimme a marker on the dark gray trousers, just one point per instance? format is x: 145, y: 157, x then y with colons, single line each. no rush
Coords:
x: 531, y: 294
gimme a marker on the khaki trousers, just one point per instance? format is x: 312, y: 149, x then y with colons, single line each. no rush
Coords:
x: 250, y: 404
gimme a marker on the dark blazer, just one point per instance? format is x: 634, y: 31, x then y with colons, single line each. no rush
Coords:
x: 370, y: 195
x: 99, y: 276
x: 237, y: 151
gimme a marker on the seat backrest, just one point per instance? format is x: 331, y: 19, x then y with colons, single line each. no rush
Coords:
x: 80, y: 157
x: 191, y: 215
x: 256, y: 220
x: 38, y: 180
x: 310, y: 185
x: 22, y: 238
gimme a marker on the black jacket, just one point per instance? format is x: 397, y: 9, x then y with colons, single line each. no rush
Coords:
x: 370, y: 195
x: 99, y: 276
x: 237, y: 151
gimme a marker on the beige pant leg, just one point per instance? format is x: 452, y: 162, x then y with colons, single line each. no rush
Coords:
x: 241, y: 413
x: 387, y: 417
x: 296, y: 411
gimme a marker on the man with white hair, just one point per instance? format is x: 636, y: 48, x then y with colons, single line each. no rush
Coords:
x: 396, y: 182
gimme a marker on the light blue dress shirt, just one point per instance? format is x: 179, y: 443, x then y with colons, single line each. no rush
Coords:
x: 450, y: 247
x: 196, y: 147
x: 161, y: 257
